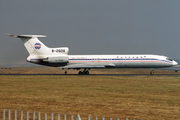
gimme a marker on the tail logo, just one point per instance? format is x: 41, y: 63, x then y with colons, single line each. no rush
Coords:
x: 37, y: 46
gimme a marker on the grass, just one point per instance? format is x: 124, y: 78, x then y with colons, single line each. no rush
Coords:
x: 140, y: 97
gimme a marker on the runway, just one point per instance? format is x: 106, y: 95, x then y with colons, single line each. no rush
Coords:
x: 90, y: 75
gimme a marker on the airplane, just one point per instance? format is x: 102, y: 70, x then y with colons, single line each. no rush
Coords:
x: 58, y: 57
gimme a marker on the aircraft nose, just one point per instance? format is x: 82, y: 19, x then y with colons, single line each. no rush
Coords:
x: 175, y: 63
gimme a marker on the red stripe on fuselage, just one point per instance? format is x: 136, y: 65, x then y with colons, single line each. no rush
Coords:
x: 119, y: 61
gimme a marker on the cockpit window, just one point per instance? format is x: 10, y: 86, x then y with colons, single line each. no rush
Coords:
x: 169, y: 59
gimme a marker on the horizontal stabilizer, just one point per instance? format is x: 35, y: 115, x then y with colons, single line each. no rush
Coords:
x: 25, y: 36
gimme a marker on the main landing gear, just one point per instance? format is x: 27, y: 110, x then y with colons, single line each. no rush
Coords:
x: 85, y: 72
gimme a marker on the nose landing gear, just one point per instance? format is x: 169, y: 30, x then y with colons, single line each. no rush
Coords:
x: 152, y: 72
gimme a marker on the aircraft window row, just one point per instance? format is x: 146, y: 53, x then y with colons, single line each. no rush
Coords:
x: 123, y: 58
x: 134, y: 57
x: 116, y: 59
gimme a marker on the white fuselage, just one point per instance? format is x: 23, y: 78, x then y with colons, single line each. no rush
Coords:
x: 124, y: 61
x: 116, y: 61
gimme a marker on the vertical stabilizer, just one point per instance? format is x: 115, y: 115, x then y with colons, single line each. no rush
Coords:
x: 33, y: 45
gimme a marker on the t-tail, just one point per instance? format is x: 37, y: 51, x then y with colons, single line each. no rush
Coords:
x: 40, y: 53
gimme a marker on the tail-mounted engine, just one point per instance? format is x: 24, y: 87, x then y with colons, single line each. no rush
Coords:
x: 60, y: 60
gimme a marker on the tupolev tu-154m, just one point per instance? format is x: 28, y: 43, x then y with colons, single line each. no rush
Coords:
x: 58, y: 57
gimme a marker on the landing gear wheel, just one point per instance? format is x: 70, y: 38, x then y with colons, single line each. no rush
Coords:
x: 83, y: 73
x: 87, y: 72
x: 152, y: 72
x: 80, y: 73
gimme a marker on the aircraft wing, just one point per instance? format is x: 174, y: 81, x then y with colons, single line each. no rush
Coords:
x: 87, y: 66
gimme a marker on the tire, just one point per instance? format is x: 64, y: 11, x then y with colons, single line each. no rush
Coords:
x: 152, y: 72
x: 80, y: 73
x: 87, y: 72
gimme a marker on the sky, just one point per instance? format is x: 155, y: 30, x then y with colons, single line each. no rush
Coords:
x: 91, y: 26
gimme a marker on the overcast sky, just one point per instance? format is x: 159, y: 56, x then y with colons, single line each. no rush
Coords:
x: 92, y: 26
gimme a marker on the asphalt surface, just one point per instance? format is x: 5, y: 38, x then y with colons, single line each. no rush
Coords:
x: 90, y: 75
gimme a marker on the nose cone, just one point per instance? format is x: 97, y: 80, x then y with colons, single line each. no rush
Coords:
x: 175, y: 63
